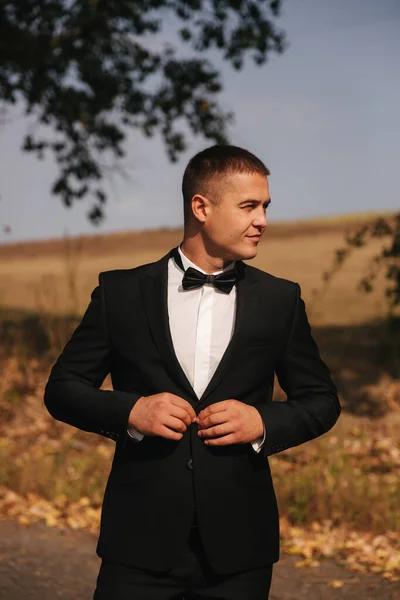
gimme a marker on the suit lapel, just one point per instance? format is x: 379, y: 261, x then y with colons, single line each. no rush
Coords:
x: 154, y: 284
x: 246, y: 313
x: 155, y: 300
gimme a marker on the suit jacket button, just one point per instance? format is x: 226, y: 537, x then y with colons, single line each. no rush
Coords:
x: 190, y: 464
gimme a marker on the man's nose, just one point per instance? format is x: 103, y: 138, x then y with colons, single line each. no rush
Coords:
x: 260, y: 220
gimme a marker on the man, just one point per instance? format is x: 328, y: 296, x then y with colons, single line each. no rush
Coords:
x: 192, y: 343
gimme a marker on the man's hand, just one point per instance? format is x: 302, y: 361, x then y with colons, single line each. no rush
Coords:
x: 165, y: 415
x: 229, y: 422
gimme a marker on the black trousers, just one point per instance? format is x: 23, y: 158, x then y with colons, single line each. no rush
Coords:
x: 191, y: 579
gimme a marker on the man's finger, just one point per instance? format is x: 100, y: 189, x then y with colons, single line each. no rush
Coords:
x: 218, y: 430
x: 213, y: 419
x: 169, y: 434
x: 178, y: 401
x: 180, y: 413
x: 214, y: 408
x: 174, y: 423
x: 224, y: 440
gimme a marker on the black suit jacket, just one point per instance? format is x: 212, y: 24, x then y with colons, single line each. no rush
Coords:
x: 155, y: 485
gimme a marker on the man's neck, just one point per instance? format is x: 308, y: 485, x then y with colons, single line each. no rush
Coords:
x: 207, y: 263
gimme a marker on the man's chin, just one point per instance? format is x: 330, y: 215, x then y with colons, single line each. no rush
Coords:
x: 247, y: 253
x: 251, y: 255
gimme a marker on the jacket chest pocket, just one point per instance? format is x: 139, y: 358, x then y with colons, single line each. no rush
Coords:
x: 257, y: 359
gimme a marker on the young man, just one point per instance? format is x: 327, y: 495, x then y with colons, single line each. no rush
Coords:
x: 192, y: 343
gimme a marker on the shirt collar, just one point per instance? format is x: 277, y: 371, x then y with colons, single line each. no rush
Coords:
x: 188, y: 263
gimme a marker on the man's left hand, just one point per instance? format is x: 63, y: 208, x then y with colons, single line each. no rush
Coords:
x: 229, y: 422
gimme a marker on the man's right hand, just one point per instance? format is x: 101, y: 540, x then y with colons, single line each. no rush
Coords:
x: 164, y: 414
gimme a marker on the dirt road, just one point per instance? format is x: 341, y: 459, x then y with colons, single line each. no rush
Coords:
x: 40, y: 563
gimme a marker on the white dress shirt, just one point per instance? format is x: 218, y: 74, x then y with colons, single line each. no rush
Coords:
x: 201, y: 322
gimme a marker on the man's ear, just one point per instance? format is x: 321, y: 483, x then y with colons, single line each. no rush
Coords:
x: 201, y: 207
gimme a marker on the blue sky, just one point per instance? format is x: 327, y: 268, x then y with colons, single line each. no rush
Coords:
x: 324, y: 117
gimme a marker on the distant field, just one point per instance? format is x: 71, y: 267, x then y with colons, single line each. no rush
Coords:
x: 58, y: 275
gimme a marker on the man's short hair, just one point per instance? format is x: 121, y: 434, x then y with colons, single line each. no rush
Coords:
x: 211, y: 164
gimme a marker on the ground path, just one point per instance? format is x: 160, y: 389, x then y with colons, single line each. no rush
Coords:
x: 41, y: 563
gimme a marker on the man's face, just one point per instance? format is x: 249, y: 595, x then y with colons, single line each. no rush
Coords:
x: 233, y: 227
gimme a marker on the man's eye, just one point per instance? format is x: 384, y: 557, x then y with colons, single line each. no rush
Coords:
x: 252, y: 207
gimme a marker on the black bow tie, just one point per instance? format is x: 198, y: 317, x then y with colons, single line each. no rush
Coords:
x: 193, y: 278
x: 224, y: 281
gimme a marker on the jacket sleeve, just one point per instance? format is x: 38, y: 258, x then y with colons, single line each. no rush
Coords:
x: 72, y: 393
x: 312, y: 406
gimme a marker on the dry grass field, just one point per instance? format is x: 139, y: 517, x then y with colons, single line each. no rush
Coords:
x: 58, y: 275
